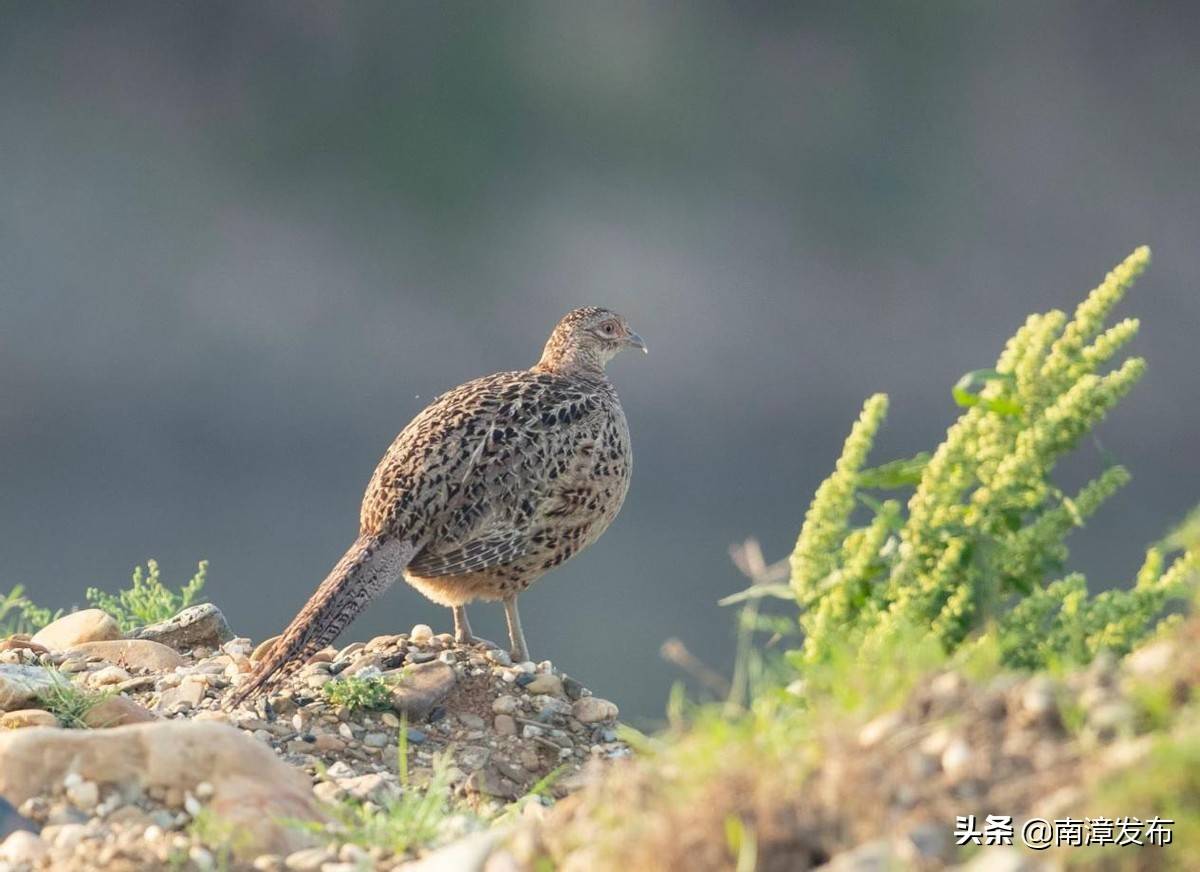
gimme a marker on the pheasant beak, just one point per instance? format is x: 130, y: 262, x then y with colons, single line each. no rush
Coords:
x: 635, y: 341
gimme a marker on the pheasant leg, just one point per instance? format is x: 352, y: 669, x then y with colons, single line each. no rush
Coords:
x: 462, y: 626
x: 463, y: 634
x: 516, y: 636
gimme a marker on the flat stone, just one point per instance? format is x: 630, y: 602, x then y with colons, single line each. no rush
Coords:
x: 422, y: 687
x: 132, y: 654
x: 28, y: 718
x: 20, y: 685
x: 88, y: 625
x: 252, y: 788
x: 117, y: 711
x: 200, y: 625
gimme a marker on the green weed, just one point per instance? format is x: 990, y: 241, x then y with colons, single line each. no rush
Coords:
x: 18, y: 614
x: 148, y: 600
x: 366, y: 694
x: 69, y: 702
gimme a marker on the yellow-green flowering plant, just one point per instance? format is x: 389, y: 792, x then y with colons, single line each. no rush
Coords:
x: 976, y: 550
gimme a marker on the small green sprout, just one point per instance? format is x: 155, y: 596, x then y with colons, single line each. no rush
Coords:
x: 355, y: 693
x: 69, y: 702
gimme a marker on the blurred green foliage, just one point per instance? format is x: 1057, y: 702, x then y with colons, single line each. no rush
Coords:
x: 148, y: 600
x: 18, y: 614
x: 976, y: 547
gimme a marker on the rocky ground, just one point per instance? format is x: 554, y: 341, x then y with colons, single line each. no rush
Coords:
x: 116, y: 752
x: 884, y: 794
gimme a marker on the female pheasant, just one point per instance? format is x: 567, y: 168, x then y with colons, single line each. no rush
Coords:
x: 493, y: 484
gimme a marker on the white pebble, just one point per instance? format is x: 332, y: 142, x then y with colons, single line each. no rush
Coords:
x: 84, y: 795
x: 68, y: 836
x: 956, y: 759
x: 192, y: 805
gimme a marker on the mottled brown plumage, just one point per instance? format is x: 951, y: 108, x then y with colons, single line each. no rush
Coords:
x: 493, y: 484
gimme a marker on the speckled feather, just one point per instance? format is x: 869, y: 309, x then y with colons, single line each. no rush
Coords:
x: 493, y: 484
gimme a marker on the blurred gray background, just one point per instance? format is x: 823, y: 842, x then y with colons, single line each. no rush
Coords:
x: 241, y: 245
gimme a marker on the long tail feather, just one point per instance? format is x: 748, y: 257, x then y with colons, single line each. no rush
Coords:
x: 365, y: 571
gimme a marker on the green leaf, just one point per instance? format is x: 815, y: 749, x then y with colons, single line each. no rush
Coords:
x: 968, y: 391
x: 905, y: 472
x: 759, y: 591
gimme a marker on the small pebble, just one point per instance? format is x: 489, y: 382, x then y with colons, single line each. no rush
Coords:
x: 504, y: 725
x: 956, y: 759
x: 546, y: 683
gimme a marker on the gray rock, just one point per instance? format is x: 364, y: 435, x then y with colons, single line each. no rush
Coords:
x: 573, y: 688
x: 195, y: 626
x: 20, y: 685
